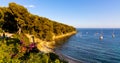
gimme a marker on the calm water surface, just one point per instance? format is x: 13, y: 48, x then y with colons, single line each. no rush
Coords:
x: 87, y: 47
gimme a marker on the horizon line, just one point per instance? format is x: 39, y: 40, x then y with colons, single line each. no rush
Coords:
x: 103, y: 28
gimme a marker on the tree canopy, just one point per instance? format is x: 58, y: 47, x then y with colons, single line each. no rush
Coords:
x: 16, y: 18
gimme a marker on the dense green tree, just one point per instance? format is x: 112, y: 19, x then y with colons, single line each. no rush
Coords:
x: 9, y: 24
x: 1, y: 18
x: 16, y: 18
x: 20, y: 14
x: 1, y: 14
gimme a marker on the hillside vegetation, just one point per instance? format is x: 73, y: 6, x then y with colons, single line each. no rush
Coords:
x: 16, y: 19
x: 17, y: 22
x: 13, y: 50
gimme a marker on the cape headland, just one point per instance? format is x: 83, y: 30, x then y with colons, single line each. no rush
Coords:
x: 25, y: 35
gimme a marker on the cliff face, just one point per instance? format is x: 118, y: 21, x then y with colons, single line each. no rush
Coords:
x: 17, y: 19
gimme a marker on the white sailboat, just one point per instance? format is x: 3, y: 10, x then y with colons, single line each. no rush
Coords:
x: 101, y: 37
x: 113, y: 35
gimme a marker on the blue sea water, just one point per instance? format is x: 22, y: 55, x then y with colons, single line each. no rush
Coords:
x: 87, y: 47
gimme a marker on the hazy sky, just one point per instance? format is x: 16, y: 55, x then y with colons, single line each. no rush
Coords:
x: 78, y: 13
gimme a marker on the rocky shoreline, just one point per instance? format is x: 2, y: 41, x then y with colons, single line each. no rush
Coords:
x: 67, y: 58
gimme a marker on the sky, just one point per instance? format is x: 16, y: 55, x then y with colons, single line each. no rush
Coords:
x: 77, y: 13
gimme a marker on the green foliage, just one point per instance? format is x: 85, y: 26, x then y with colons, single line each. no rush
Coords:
x: 8, y: 48
x: 1, y: 14
x: 22, y: 38
x: 11, y: 52
x: 9, y: 24
x: 1, y: 18
x: 49, y: 36
x: 17, y: 19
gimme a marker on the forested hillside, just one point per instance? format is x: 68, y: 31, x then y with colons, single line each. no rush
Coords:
x: 17, y: 19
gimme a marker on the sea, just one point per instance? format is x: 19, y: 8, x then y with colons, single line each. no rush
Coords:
x: 87, y: 47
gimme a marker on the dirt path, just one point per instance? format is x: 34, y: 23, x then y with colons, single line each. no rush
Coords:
x: 48, y: 46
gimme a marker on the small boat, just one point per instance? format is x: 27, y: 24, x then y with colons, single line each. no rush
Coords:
x: 101, y: 37
x: 113, y: 35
